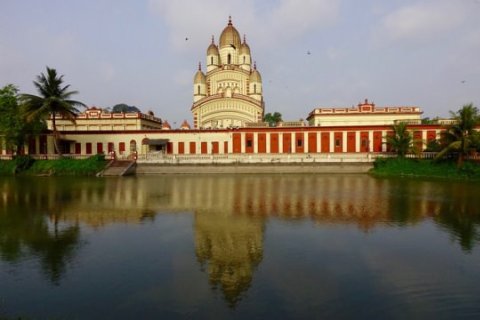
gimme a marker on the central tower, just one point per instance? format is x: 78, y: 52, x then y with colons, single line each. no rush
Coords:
x: 229, y: 94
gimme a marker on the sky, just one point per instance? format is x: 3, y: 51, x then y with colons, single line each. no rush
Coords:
x: 310, y: 53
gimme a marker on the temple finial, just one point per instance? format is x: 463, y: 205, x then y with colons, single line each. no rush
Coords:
x: 213, y: 39
x: 199, y: 66
x: 244, y: 38
x: 229, y: 20
x: 255, y: 65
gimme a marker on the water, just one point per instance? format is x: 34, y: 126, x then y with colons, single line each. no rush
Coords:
x: 239, y: 246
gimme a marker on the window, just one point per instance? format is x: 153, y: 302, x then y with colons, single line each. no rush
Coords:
x: 133, y: 146
x: 254, y: 88
x: 89, y: 147
x: 99, y: 147
x: 249, y: 143
x: 198, y: 89
x: 211, y: 60
x: 229, y: 59
x: 337, y: 142
x: 243, y: 59
x: 299, y: 142
x: 121, y: 147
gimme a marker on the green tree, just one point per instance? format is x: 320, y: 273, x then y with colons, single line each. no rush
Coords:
x: 273, y: 119
x: 54, y: 99
x: 122, y: 107
x: 13, y: 125
x: 401, y: 141
x: 460, y: 137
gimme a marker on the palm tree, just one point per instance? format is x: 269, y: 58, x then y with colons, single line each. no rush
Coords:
x: 461, y: 136
x: 54, y: 99
x: 401, y: 140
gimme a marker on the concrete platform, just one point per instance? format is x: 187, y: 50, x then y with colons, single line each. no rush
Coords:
x: 320, y: 168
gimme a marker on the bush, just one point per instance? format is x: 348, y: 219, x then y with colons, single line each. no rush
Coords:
x: 68, y: 167
x: 22, y: 163
x: 445, y: 169
x: 7, y: 167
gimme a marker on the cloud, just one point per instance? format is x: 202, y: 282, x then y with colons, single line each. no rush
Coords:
x: 270, y: 23
x: 422, y: 21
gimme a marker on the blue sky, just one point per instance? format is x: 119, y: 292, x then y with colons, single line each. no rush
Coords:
x: 398, y: 52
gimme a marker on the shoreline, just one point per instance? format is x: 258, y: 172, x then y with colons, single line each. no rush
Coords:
x: 314, y: 168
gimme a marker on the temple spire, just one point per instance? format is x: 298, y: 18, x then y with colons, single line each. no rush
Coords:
x: 229, y: 20
x: 213, y: 39
x: 199, y: 66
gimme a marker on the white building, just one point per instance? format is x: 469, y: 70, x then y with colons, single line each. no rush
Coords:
x: 229, y: 94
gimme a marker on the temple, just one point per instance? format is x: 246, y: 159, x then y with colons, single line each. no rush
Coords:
x: 229, y: 94
x: 228, y: 110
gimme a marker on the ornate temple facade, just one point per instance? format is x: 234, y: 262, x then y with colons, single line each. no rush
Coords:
x: 228, y: 109
x: 229, y: 93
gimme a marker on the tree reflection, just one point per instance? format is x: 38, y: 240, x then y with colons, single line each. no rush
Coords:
x: 460, y: 216
x: 452, y: 205
x: 25, y: 233
x: 231, y: 213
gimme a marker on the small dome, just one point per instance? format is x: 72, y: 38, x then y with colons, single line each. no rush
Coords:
x: 244, y: 49
x: 212, y: 50
x: 230, y: 36
x: 199, y: 76
x: 185, y: 125
x: 255, y: 76
x: 166, y: 125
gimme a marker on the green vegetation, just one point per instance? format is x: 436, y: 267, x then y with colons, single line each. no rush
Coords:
x: 461, y: 138
x: 401, y: 141
x: 402, y: 167
x: 273, y: 118
x: 54, y: 100
x: 7, y: 167
x: 62, y: 167
x: 13, y: 125
x: 122, y: 107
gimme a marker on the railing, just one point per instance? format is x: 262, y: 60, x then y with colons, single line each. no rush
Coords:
x: 159, y: 157
x: 254, y: 158
x: 280, y: 158
x: 66, y: 156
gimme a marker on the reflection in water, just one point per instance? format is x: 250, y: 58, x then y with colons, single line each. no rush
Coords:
x: 30, y: 226
x: 44, y: 217
x: 231, y: 247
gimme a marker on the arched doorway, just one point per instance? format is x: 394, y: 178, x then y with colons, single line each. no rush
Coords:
x: 133, y: 146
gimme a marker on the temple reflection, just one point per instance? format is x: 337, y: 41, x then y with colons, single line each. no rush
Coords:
x: 46, y: 215
x: 230, y: 249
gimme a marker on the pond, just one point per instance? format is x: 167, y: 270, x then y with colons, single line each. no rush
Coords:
x: 239, y: 246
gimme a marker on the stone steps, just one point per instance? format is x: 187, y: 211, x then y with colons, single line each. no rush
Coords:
x: 117, y: 168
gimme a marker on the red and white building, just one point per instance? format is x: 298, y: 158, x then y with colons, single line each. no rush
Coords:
x: 227, y: 107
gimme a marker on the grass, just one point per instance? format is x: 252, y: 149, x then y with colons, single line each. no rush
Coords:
x: 400, y: 167
x: 60, y: 167
x: 7, y: 168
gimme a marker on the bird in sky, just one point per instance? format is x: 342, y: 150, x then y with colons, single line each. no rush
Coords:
x: 308, y: 52
x: 463, y: 81
x: 186, y: 38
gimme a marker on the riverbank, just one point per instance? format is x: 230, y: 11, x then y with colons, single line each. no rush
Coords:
x: 398, y: 167
x: 61, y: 167
x: 313, y: 168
